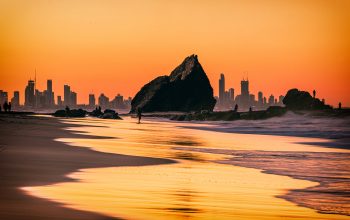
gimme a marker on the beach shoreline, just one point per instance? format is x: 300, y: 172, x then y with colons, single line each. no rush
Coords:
x: 30, y: 156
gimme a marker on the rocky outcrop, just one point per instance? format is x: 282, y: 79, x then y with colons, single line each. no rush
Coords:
x: 107, y: 114
x: 186, y: 89
x: 74, y: 113
x: 272, y: 111
x: 302, y: 100
x: 110, y: 114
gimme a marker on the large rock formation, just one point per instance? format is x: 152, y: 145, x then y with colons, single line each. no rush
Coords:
x: 186, y: 89
x: 302, y: 100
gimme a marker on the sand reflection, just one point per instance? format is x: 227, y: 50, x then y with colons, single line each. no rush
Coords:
x: 193, y: 188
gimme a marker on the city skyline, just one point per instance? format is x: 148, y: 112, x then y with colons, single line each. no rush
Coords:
x: 119, y: 46
x: 34, y: 98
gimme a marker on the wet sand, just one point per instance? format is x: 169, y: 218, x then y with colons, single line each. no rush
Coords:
x: 196, y: 187
x: 331, y: 170
x: 29, y: 156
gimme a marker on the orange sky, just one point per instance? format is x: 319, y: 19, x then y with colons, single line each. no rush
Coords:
x: 117, y: 46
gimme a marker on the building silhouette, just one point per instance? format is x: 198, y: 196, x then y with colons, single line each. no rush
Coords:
x: 221, y: 89
x: 103, y: 101
x: 271, y: 100
x: 70, y: 97
x: 73, y: 99
x: 50, y: 101
x: 231, y: 93
x: 260, y: 99
x: 29, y: 96
x: 280, y: 100
x: 92, y: 100
x: 67, y: 95
x: 3, y: 97
x: 59, y: 101
x: 244, y: 101
x: 15, y: 100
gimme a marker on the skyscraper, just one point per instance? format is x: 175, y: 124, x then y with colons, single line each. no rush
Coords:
x: 67, y: 95
x: 92, y: 100
x: 245, y: 87
x: 280, y: 100
x: 29, y: 100
x: 49, y: 94
x: 245, y: 99
x: 3, y: 97
x: 103, y: 101
x: 222, y: 88
x: 260, y: 99
x: 271, y: 100
x: 73, y: 99
x: 231, y: 92
x: 15, y: 99
x: 59, y: 101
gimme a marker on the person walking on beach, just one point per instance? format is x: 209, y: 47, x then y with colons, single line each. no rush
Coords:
x: 5, y: 106
x: 139, y: 114
x: 339, y: 106
x: 236, y: 108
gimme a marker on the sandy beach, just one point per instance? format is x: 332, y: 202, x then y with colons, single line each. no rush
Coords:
x: 29, y: 156
x: 105, y: 169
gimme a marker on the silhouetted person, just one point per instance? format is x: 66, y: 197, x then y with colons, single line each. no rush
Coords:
x: 339, y: 106
x: 139, y: 114
x: 99, y: 109
x: 9, y: 106
x: 236, y: 108
x: 0, y: 108
x: 314, y: 93
x: 5, y: 106
x: 250, y: 110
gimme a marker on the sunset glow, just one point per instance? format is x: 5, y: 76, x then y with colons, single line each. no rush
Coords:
x: 118, y: 46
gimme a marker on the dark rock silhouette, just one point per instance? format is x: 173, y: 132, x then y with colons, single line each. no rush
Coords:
x: 97, y: 112
x: 272, y: 111
x: 74, y: 113
x: 110, y: 114
x: 186, y: 89
x: 302, y: 100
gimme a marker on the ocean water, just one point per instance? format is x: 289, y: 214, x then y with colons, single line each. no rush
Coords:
x: 222, y: 170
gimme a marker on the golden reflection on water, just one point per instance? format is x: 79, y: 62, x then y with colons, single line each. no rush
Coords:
x: 193, y: 188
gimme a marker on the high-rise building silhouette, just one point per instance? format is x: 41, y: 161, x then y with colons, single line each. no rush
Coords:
x: 245, y: 87
x: 92, y: 100
x: 280, y: 100
x: 49, y: 94
x: 3, y: 97
x: 103, y: 101
x: 67, y: 95
x: 73, y: 99
x: 15, y: 100
x: 59, y: 101
x: 231, y: 92
x: 260, y: 99
x: 29, y: 100
x: 245, y: 98
x: 271, y: 100
x: 222, y: 89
